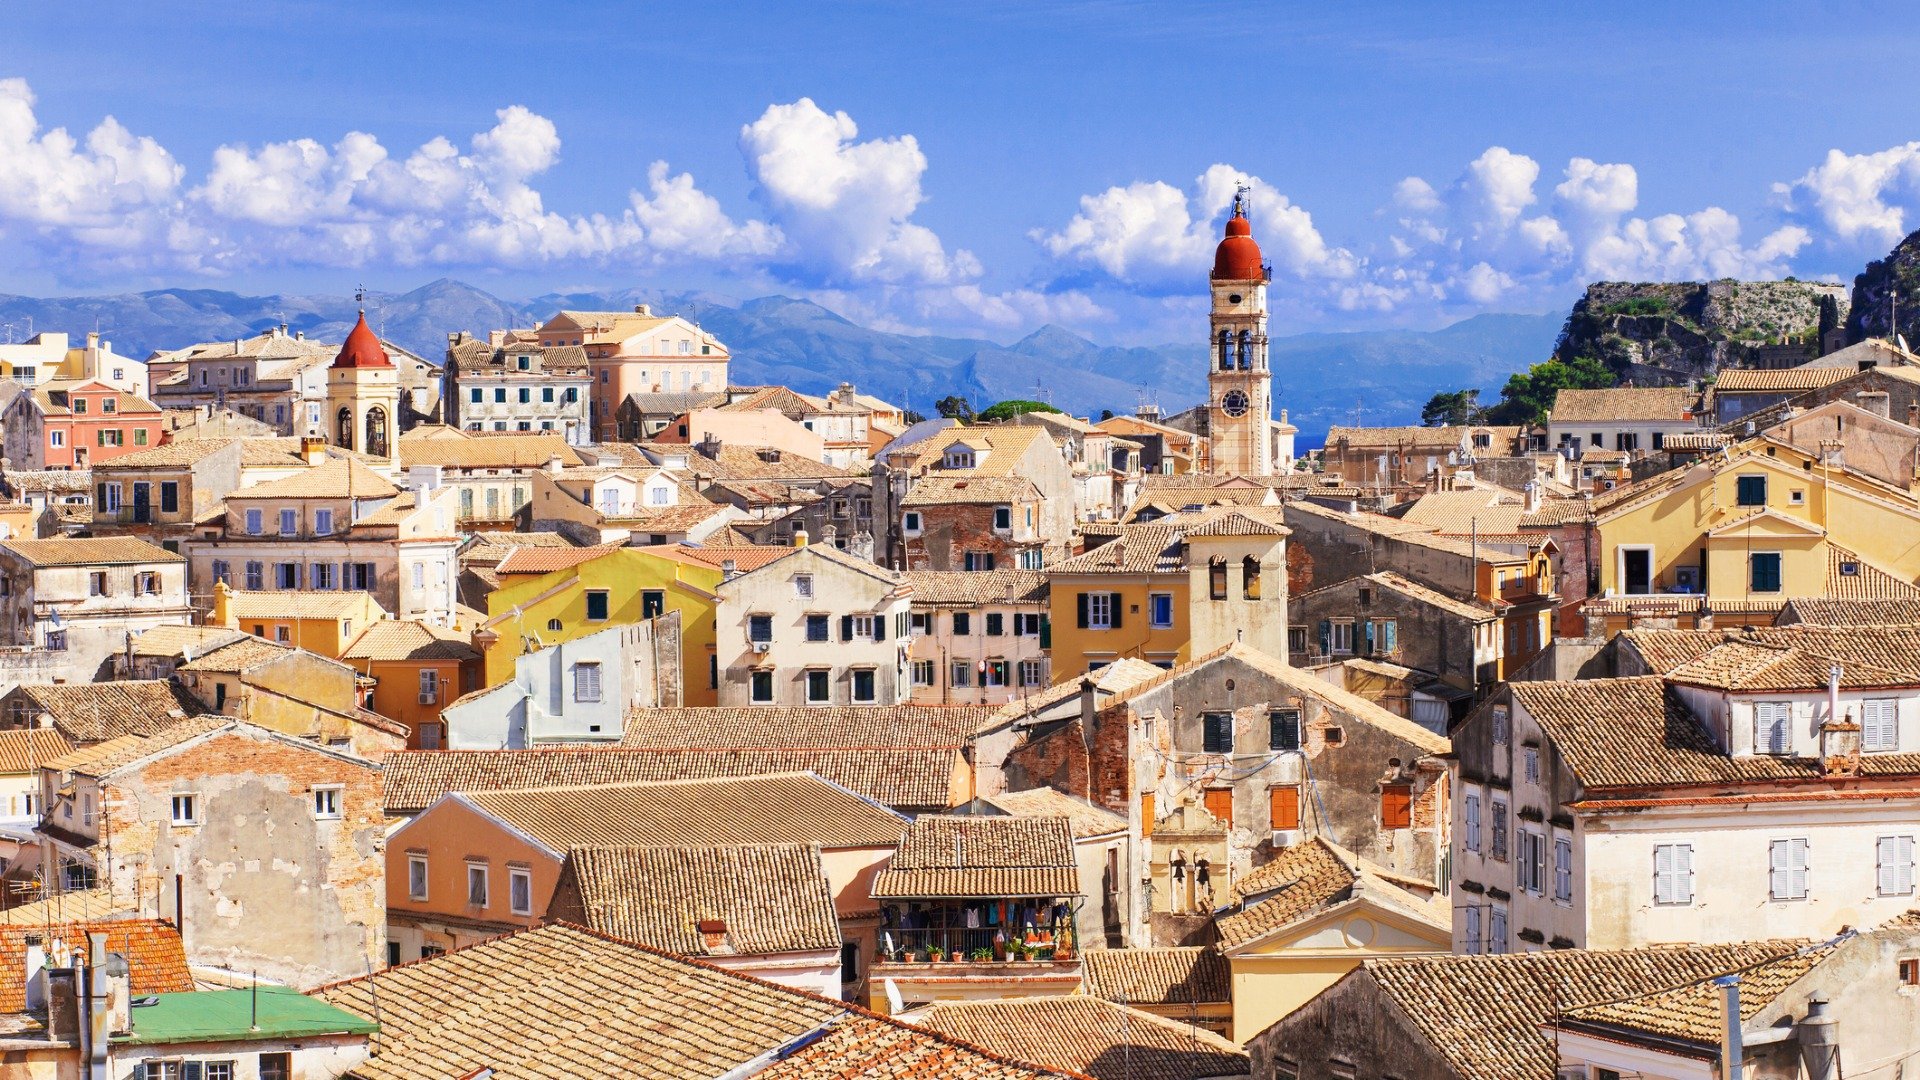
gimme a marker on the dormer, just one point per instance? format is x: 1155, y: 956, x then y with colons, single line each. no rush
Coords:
x: 959, y: 455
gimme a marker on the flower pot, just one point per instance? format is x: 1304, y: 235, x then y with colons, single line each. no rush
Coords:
x: 958, y: 956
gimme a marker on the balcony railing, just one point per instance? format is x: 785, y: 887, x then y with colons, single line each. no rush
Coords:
x: 975, y: 945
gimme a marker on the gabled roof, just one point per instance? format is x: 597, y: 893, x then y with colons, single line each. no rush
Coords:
x: 181, y: 641
x: 545, y: 560
x: 1827, y: 611
x: 960, y: 489
x: 1138, y: 549
x: 1387, y: 579
x: 1482, y: 1015
x: 1748, y: 666
x: 95, y: 712
x: 528, y: 450
x: 981, y: 857
x: 743, y: 558
x: 779, y: 808
x: 1696, y: 1012
x: 802, y: 726
x: 172, y: 455
x: 300, y: 604
x: 408, y: 639
x: 1188, y: 975
x: 1752, y: 380
x: 156, y: 959
x: 1084, y: 818
x: 105, y: 551
x: 962, y: 588
x: 766, y: 898
x: 1311, y: 878
x: 335, y: 478
x: 1467, y: 510
x: 1623, y: 403
x: 1094, y: 1036
x: 104, y: 759
x: 588, y: 1004
x: 22, y: 750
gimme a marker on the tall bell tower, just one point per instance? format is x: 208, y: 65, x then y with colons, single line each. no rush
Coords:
x: 1239, y: 383
x: 363, y: 395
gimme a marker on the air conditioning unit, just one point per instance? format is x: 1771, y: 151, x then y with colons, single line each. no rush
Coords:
x: 762, y: 646
x: 1285, y: 838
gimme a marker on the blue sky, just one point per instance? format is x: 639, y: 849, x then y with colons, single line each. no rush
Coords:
x: 985, y: 167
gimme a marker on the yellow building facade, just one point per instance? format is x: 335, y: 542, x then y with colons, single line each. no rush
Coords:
x: 622, y: 585
x: 322, y: 621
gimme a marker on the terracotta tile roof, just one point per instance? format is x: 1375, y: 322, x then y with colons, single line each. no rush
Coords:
x: 966, y: 856
x: 1482, y: 1015
x: 1417, y: 438
x: 1090, y: 1035
x: 1623, y: 403
x: 586, y: 1004
x: 1637, y: 733
x: 1489, y: 510
x: 246, y: 653
x: 1387, y: 579
x: 299, y: 604
x: 172, y: 455
x: 1822, y: 611
x: 954, y: 489
x: 1746, y: 666
x: 771, y: 898
x: 1696, y: 1011
x: 1866, y: 582
x: 95, y: 712
x: 495, y: 545
x: 1738, y: 380
x: 1138, y: 549
x: 744, y: 558
x: 335, y: 478
x: 1407, y: 532
x: 775, y: 727
x: 1084, y: 818
x: 1554, y: 512
x: 179, y: 641
x: 270, y: 453
x: 904, y: 777
x: 1893, y: 647
x: 778, y: 808
x: 1008, y: 443
x: 103, y: 759
x: 1113, y: 678
x: 961, y: 588
x: 545, y: 560
x: 1307, y: 879
x: 409, y: 639
x: 1164, y: 976
x: 24, y: 750
x: 156, y: 960
x: 737, y: 462
x: 1233, y: 522
x: 105, y: 551
x: 84, y: 905
x: 674, y: 519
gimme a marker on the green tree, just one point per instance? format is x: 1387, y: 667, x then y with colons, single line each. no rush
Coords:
x: 1458, y: 407
x: 1529, y: 394
x: 1106, y: 414
x: 954, y: 407
x: 1007, y: 410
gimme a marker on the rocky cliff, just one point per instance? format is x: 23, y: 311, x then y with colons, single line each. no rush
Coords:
x: 1876, y: 287
x: 1674, y: 334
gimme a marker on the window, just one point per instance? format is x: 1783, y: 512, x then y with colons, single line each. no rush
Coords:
x: 1772, y: 727
x: 1502, y: 726
x: 597, y: 605
x: 1563, y: 869
x: 759, y: 628
x: 323, y: 522
x: 1472, y: 828
x: 586, y: 682
x: 1026, y: 624
x: 1342, y: 642
x: 1283, y: 729
x: 961, y: 674
x: 186, y: 809
x: 1673, y: 873
x: 1099, y: 611
x: 500, y: 395
x: 1499, y: 829
x: 962, y: 624
x: 286, y: 575
x: 1787, y: 869
x: 979, y: 561
x: 862, y: 628
x: 520, y: 891
x: 1471, y: 934
x: 1217, y: 579
x: 922, y: 623
x: 817, y: 628
x: 219, y: 1070
x: 1531, y: 758
x: 416, y: 877
x: 1219, y: 803
x: 1383, y: 636
x: 1284, y: 803
x: 57, y: 641
x: 163, y: 1070
x: 56, y: 439
x: 323, y: 575
x: 169, y: 496
x: 1396, y: 806
x: 911, y: 522
x: 1160, y: 610
x: 1497, y: 931
x: 1033, y: 673
x: 256, y: 576
x: 326, y: 802
x: 1750, y: 490
x: 276, y: 1066
x: 289, y: 522
x: 1216, y: 735
x: 1533, y: 862
x: 526, y: 395
x: 546, y: 396
x: 474, y: 395
x: 1894, y: 858
x: 1250, y: 578
x: 476, y: 885
x: 283, y: 633
x: 923, y: 673
x: 1910, y: 972
x: 1764, y: 571
x: 760, y: 687
x: 863, y: 686
x: 996, y: 624
x: 803, y: 585
x: 1003, y: 518
x: 819, y: 687
x: 429, y: 686
x: 1880, y: 725
x: 96, y: 583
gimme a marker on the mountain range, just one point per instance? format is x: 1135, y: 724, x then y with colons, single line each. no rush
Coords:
x: 1373, y: 377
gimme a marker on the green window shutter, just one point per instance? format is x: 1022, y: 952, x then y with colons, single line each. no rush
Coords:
x: 1326, y: 637
x: 846, y: 628
x: 1046, y: 631
x: 1082, y: 599
x: 1113, y: 605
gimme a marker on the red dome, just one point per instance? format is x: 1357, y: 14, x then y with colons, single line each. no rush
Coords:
x: 362, y: 348
x: 1238, y: 256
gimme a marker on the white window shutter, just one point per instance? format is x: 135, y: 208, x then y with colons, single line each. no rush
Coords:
x: 1798, y: 878
x: 1880, y: 724
x: 1903, y: 865
x: 1663, y: 874
x: 1886, y: 853
x: 1777, y: 875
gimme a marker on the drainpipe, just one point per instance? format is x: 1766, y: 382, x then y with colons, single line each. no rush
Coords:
x: 99, y: 1015
x: 1732, y: 1054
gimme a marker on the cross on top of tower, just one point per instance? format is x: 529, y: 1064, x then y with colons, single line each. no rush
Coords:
x: 1240, y: 200
x: 360, y: 297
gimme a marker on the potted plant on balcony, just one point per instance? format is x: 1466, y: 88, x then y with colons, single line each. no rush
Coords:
x: 958, y: 956
x: 980, y: 955
x: 1018, y: 952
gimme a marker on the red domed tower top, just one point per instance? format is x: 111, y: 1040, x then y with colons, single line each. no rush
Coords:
x: 362, y: 348
x: 1238, y: 256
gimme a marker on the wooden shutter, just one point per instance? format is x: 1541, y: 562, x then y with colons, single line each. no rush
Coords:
x: 846, y: 628
x: 879, y: 628
x: 1113, y: 610
x: 1284, y: 803
x: 1220, y: 804
x: 1396, y: 807
x: 1081, y: 598
x: 1146, y: 814
x: 1880, y: 724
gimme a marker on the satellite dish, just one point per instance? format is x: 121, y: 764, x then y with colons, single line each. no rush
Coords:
x: 1902, y: 339
x: 895, y: 1004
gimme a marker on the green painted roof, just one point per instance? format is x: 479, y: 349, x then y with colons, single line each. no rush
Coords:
x: 222, y: 1015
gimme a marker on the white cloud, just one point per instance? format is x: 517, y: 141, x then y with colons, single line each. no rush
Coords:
x: 111, y: 193
x: 1152, y: 234
x: 1860, y: 200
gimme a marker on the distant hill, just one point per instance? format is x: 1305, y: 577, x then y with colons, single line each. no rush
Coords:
x: 1319, y: 378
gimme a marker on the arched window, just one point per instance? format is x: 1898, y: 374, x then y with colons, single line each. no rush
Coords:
x: 1246, y: 349
x: 343, y: 437
x: 376, y: 432
x: 1226, y: 350
x: 1217, y: 578
x: 1250, y: 571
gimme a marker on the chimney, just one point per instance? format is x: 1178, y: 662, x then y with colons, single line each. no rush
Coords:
x: 496, y: 338
x: 1877, y: 402
x: 98, y: 1016
x: 729, y: 569
x: 36, y: 973
x: 713, y: 935
x: 63, y: 1005
x: 1819, y: 1036
x: 643, y: 310
x: 299, y: 335
x: 554, y: 465
x: 1089, y: 704
x: 1533, y: 496
x: 313, y: 449
x: 1703, y: 615
x: 93, y: 340
x: 799, y: 536
x: 1839, y: 736
x: 1913, y: 415
x: 1732, y: 1054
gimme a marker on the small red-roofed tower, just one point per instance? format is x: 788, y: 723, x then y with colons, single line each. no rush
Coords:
x: 363, y: 395
x: 1239, y: 383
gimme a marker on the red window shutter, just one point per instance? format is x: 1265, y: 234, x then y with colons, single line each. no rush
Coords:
x: 1285, y: 801
x: 1220, y: 804
x: 1396, y: 807
x: 1146, y: 814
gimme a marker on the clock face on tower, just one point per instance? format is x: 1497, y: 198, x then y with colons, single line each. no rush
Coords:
x: 1234, y: 403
